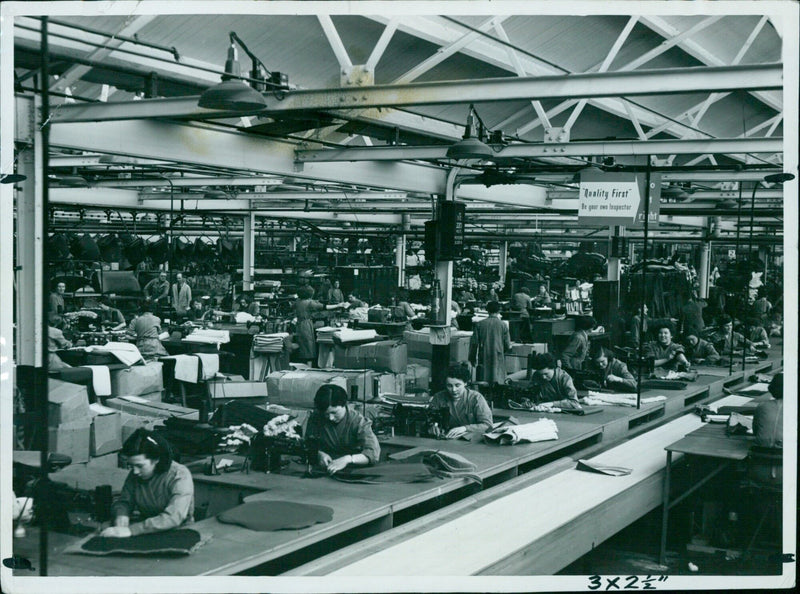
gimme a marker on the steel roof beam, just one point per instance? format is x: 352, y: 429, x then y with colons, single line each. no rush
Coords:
x: 568, y: 149
x: 588, y: 85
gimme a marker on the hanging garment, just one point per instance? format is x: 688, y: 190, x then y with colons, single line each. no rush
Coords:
x: 183, y: 541
x: 158, y: 250
x: 270, y: 515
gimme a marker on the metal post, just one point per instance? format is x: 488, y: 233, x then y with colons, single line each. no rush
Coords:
x: 503, y: 261
x: 43, y: 388
x: 248, y: 253
x: 644, y: 281
x: 747, y: 286
x: 703, y: 271
x: 738, y: 229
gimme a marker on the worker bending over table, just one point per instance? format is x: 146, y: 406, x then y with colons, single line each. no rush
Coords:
x: 145, y: 329
x: 468, y: 410
x: 728, y: 342
x: 343, y: 436
x: 608, y: 371
x: 554, y: 385
x: 158, y: 489
x: 667, y: 354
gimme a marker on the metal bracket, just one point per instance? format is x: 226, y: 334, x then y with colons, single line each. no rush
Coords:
x: 359, y: 75
x: 553, y: 135
x: 656, y: 162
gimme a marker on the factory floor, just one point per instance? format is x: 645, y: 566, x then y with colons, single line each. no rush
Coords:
x: 634, y: 551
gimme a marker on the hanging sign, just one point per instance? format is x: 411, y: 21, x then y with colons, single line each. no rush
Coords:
x: 616, y: 199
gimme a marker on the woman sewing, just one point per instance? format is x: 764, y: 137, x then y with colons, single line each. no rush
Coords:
x: 158, y: 493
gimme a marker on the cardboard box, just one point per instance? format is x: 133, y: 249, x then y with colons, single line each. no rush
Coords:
x: 223, y: 389
x: 137, y: 405
x: 419, y: 345
x: 417, y: 376
x: 156, y: 396
x: 106, y: 433
x: 130, y: 423
x: 384, y: 355
x: 72, y: 439
x: 391, y: 383
x: 68, y: 403
x: 137, y: 379
x: 517, y: 359
x: 298, y: 388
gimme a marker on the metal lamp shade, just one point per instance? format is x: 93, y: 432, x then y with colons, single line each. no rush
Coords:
x: 469, y: 148
x: 232, y: 95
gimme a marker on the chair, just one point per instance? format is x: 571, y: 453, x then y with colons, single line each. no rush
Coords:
x: 765, y: 479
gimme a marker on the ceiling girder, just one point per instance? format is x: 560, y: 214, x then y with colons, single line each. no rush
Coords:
x: 203, y: 145
x: 567, y: 149
x: 606, y: 84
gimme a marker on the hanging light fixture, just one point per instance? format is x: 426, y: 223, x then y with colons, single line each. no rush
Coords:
x: 232, y: 94
x: 12, y: 178
x: 778, y: 178
x: 470, y: 146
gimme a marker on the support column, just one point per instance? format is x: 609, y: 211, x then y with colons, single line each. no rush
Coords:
x: 30, y: 216
x: 704, y: 270
x: 503, y: 264
x: 249, y: 240
x: 613, y: 257
x: 763, y: 255
x: 400, y: 253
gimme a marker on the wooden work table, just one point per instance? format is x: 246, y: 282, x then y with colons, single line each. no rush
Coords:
x: 363, y: 510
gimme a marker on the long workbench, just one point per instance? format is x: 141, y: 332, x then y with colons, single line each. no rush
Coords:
x: 361, y: 510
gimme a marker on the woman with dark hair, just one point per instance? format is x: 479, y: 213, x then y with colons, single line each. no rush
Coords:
x: 610, y: 372
x: 145, y: 328
x: 304, y: 309
x: 554, y: 385
x: 342, y: 436
x: 468, y: 410
x: 577, y: 348
x: 159, y: 489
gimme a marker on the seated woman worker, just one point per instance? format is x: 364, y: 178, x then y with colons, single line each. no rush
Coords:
x: 610, y: 372
x: 158, y: 493
x: 554, y: 385
x: 667, y: 354
x: 343, y: 436
x: 468, y: 410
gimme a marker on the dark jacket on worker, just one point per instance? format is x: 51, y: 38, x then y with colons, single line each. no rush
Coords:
x: 487, y: 347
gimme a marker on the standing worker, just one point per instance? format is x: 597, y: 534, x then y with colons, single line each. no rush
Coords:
x: 145, y: 328
x: 487, y: 347
x: 157, y: 290
x: 181, y: 295
x: 57, y: 299
x: 577, y: 348
x: 335, y: 294
x: 304, y: 308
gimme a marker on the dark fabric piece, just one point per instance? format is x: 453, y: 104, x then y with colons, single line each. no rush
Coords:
x: 661, y: 384
x: 133, y: 248
x: 110, y: 248
x: 269, y: 515
x: 171, y: 542
x: 120, y: 282
x: 58, y: 246
x: 158, y: 250
x: 412, y: 472
x: 85, y: 248
x: 236, y: 413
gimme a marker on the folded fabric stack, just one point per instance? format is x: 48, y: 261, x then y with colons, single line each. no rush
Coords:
x: 269, y: 343
x: 346, y: 335
x: 541, y: 430
x: 597, y: 398
x: 206, y: 336
x: 125, y: 352
x: 326, y: 333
